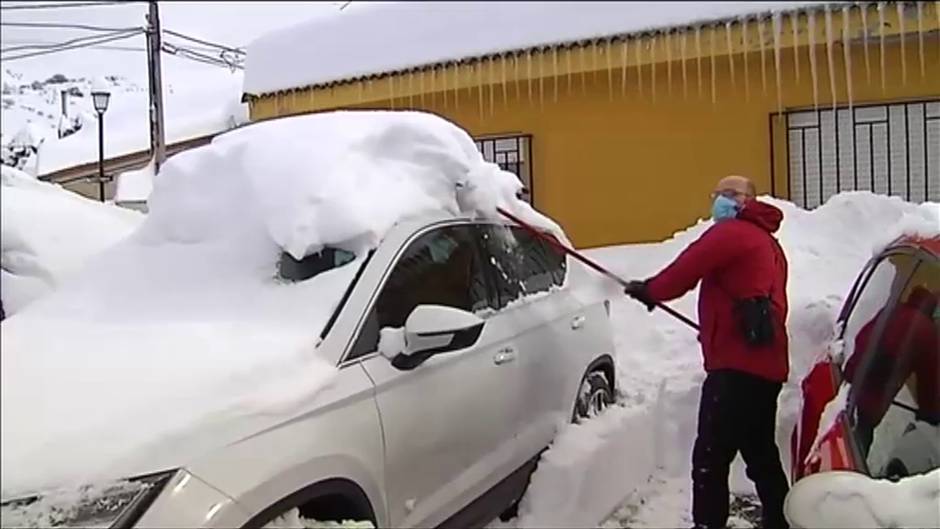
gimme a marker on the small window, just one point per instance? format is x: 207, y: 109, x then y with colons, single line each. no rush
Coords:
x: 893, y: 344
x: 523, y: 263
x: 442, y: 267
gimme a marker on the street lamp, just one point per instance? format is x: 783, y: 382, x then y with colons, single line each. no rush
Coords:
x: 100, y: 98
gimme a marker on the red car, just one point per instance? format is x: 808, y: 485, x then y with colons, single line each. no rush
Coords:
x: 871, y: 405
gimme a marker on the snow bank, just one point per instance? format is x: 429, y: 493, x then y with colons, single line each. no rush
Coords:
x: 659, y: 365
x: 589, y: 469
x: 136, y: 185
x: 197, y: 334
x: 48, y: 234
x: 458, y: 30
x: 848, y: 499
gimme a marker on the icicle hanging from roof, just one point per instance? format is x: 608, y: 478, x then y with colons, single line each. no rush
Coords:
x: 881, y: 32
x: 920, y: 38
x: 847, y: 53
x: 698, y: 57
x: 730, y: 48
x: 777, y: 28
x: 863, y: 10
x: 502, y: 63
x: 763, y: 60
x: 794, y: 25
x: 637, y: 48
x: 623, y: 68
x: 747, y: 68
x: 712, y: 52
x: 555, y: 74
x: 668, y: 43
x: 568, y: 52
x: 811, y: 49
x: 541, y: 57
x: 491, y: 84
x: 583, y: 67
x: 900, y: 6
x: 829, y: 59
x: 608, y: 51
x: 479, y: 69
x: 528, y: 74
x: 683, y: 49
x: 652, y: 45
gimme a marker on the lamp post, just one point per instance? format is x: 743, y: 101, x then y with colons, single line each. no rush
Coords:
x: 100, y: 100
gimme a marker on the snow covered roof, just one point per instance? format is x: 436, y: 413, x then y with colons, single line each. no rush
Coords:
x: 390, y: 37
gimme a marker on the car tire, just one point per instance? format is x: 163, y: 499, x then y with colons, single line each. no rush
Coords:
x: 895, y: 470
x: 594, y: 395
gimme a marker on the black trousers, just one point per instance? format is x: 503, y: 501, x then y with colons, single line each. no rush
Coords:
x: 738, y: 412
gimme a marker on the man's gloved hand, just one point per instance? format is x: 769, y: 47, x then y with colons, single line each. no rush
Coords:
x: 637, y: 291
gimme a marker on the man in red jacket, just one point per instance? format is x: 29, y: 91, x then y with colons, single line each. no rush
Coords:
x: 742, y: 311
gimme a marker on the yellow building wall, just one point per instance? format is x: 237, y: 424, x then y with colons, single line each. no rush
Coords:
x: 616, y: 165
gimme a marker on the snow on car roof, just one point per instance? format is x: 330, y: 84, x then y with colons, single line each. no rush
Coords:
x: 389, y: 37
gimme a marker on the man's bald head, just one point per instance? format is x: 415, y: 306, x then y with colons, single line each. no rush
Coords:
x: 742, y: 186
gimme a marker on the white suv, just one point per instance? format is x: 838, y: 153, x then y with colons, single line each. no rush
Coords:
x: 462, y: 348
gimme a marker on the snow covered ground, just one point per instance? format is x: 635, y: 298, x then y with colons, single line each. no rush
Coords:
x: 641, y: 450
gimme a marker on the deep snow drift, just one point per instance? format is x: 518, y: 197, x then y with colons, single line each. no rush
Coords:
x: 48, y: 234
x: 643, y: 449
x: 187, y: 313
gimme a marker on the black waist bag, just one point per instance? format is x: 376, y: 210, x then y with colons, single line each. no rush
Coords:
x: 755, y: 316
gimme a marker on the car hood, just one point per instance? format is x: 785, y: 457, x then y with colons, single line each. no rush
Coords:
x: 85, y: 402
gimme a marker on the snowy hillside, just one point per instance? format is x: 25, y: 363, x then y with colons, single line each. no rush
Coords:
x: 199, y: 99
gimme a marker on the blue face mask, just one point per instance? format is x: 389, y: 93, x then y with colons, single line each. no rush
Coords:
x: 724, y: 208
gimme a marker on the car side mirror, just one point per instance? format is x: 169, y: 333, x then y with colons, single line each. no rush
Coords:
x: 434, y: 329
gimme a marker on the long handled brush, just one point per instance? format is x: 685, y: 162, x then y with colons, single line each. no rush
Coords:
x: 591, y: 264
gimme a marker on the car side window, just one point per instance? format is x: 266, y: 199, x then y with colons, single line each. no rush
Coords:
x: 893, y: 340
x: 523, y: 263
x: 441, y: 267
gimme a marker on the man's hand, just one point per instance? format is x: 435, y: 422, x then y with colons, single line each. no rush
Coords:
x: 637, y: 291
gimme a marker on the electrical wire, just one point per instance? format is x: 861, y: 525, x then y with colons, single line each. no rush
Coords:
x: 67, y: 43
x: 60, y: 25
x: 204, y: 42
x: 33, y: 5
x: 193, y: 55
x: 102, y: 40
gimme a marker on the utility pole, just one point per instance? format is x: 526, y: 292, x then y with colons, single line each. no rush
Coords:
x: 154, y: 47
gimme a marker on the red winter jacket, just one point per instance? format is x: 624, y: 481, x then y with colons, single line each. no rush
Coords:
x: 734, y: 259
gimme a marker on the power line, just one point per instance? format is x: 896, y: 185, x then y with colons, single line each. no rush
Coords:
x: 71, y: 42
x: 59, y: 25
x: 58, y: 5
x: 205, y: 42
x: 102, y: 40
x: 187, y: 53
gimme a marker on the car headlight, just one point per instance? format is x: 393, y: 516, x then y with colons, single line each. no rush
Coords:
x: 114, y: 505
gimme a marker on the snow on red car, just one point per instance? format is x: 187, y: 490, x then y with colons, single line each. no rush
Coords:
x: 871, y: 403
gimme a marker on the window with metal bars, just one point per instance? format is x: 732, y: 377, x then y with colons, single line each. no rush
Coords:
x: 890, y: 149
x: 513, y: 154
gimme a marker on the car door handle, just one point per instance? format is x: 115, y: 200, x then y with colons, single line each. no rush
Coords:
x: 504, y: 356
x: 577, y: 322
